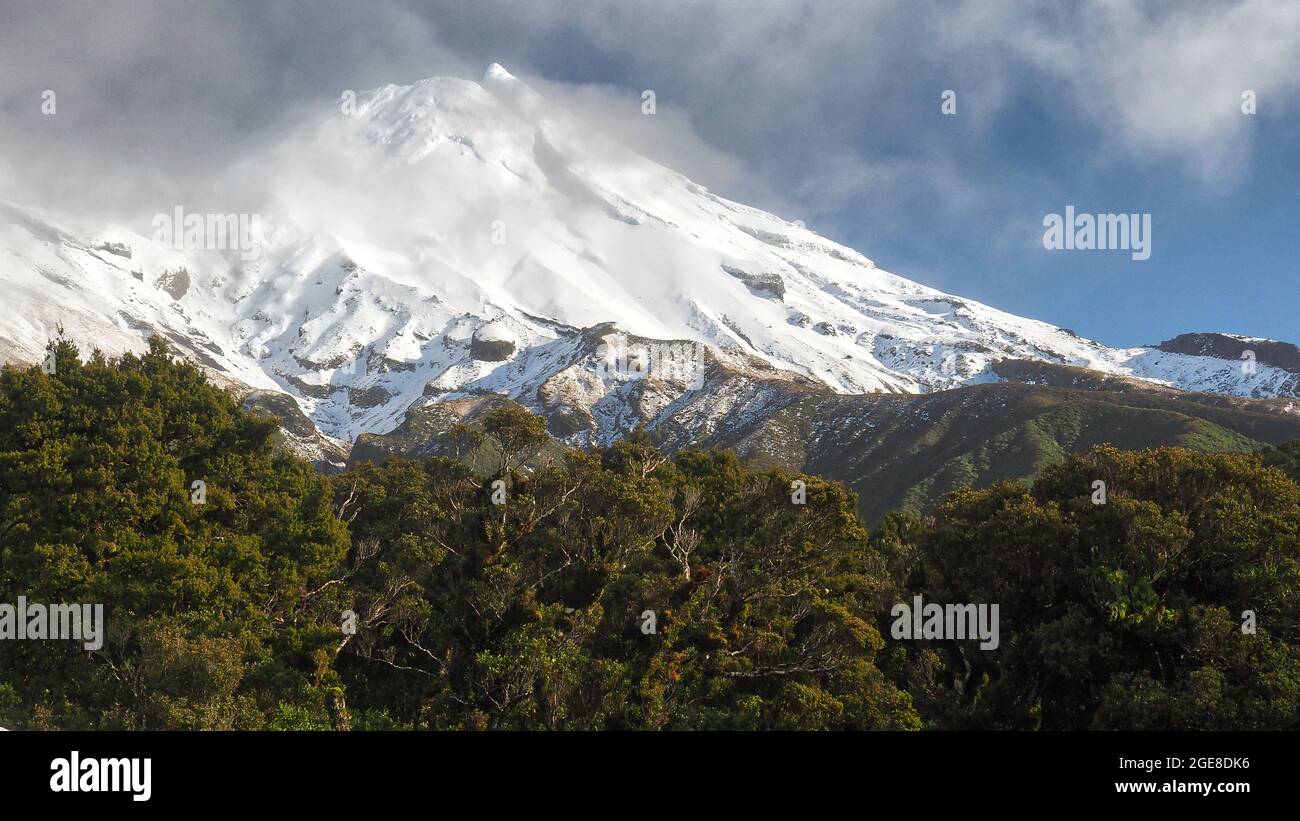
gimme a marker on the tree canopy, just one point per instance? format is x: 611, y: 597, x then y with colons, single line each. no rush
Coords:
x: 617, y: 588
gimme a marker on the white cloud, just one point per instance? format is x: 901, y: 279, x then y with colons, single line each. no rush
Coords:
x: 799, y: 107
x: 1165, y: 82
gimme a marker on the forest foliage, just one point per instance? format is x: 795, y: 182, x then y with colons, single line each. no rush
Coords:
x: 618, y: 588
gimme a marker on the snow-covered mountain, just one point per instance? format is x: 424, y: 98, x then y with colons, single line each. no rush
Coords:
x: 450, y: 238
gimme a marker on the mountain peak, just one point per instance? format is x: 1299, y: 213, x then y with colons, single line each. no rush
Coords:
x: 496, y: 73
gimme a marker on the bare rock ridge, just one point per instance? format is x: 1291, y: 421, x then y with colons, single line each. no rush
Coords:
x: 1270, y: 352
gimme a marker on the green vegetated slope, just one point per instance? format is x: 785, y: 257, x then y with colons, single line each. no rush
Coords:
x: 906, y: 451
x: 909, y: 451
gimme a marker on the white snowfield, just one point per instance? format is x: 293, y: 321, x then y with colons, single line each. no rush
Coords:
x: 451, y: 238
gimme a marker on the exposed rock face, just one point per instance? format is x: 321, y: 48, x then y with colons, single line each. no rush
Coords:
x: 567, y: 422
x: 297, y: 433
x: 491, y: 350
x: 765, y: 284
x: 1222, y: 346
x: 371, y: 397
x: 175, y: 283
x: 120, y: 249
x: 282, y: 407
x: 306, y: 388
x: 494, y: 341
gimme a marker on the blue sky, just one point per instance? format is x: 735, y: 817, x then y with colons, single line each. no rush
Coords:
x: 1224, y: 253
x: 826, y: 111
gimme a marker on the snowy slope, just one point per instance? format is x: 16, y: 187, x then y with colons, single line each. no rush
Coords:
x: 450, y: 238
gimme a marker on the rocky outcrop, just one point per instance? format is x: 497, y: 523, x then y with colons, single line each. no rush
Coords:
x: 767, y: 284
x: 494, y: 341
x: 297, y: 434
x: 174, y: 283
x: 1282, y: 355
x: 120, y: 249
x: 491, y: 350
